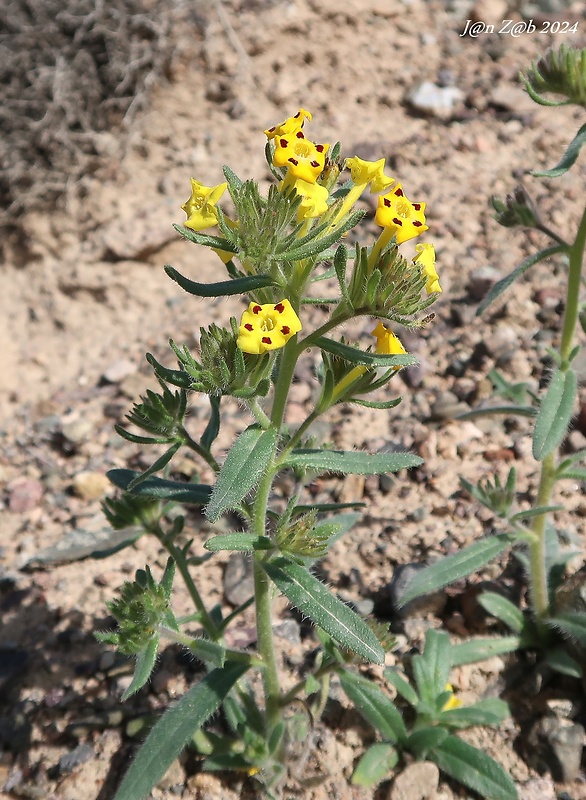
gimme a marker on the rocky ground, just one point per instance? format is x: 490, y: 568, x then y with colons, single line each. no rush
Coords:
x: 84, y: 295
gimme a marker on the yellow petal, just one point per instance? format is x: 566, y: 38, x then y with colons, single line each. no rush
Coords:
x: 200, y: 210
x: 426, y: 259
x: 364, y: 172
x: 304, y: 159
x: 267, y: 327
x: 291, y: 124
x: 404, y: 218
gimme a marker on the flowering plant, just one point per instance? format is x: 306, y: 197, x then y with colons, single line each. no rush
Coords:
x: 275, y: 249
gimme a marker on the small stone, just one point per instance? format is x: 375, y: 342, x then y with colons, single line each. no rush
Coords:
x: 481, y: 281
x: 418, y: 781
x: 538, y: 789
x: 388, y: 599
x: 437, y: 101
x: 24, y: 494
x: 175, y: 776
x: 238, y: 579
x: 556, y: 744
x: 77, y: 430
x: 502, y: 343
x: 288, y: 629
x: 91, y: 485
x: 386, y: 483
x: 119, y: 370
x: 75, y: 758
x: 492, y: 12
x: 447, y: 406
x: 511, y: 98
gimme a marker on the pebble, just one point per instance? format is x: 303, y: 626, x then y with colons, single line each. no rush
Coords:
x: 119, y: 370
x: 418, y: 781
x: 91, y: 485
x: 481, y: 281
x: 556, y: 744
x: 437, y: 101
x: 447, y: 406
x: 24, y: 494
x: 75, y: 758
x: 288, y: 629
x: 388, y: 600
x: 538, y: 789
x: 511, y: 98
x: 238, y: 579
x: 77, y: 431
x: 175, y: 776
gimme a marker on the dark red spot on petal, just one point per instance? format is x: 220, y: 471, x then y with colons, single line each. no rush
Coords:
x: 319, y: 148
x: 280, y: 308
x: 257, y: 309
x: 249, y: 327
x: 416, y: 206
x: 266, y: 340
x: 397, y: 221
x: 293, y: 161
x: 300, y: 135
x: 399, y: 192
x: 417, y: 224
x: 274, y: 128
x: 387, y: 202
x: 283, y: 142
x: 314, y: 164
x: 285, y: 330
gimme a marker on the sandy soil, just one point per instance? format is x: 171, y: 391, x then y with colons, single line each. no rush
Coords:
x: 84, y: 295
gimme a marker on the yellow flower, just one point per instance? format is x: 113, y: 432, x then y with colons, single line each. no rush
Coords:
x: 387, y: 343
x: 199, y: 208
x: 398, y: 214
x: 364, y: 172
x: 291, y: 125
x: 267, y: 327
x: 314, y: 197
x: 426, y: 258
x: 453, y: 702
x: 304, y: 159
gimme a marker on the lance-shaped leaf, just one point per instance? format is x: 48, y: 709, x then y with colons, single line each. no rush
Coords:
x: 375, y: 706
x: 502, y: 609
x: 176, y: 377
x: 474, y: 769
x: 245, y: 463
x: 452, y: 568
x: 420, y: 742
x: 378, y: 760
x: 504, y: 283
x: 213, y: 427
x: 554, y: 414
x: 204, y: 238
x: 481, y: 649
x: 559, y: 660
x: 196, y: 493
x: 573, y: 624
x: 145, y: 663
x: 312, y: 598
x: 489, y: 711
x: 238, y: 541
x: 356, y: 356
x: 350, y: 461
x: 175, y: 728
x: 312, y: 244
x: 157, y: 466
x: 568, y: 159
x: 242, y: 285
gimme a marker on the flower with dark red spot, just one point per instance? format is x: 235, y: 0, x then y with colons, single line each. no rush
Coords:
x: 404, y: 218
x: 267, y: 327
x: 290, y: 126
x: 304, y: 159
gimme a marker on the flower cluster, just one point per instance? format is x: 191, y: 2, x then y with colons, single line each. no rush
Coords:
x: 306, y: 180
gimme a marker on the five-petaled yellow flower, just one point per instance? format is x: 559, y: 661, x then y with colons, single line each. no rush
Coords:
x: 453, y: 702
x: 304, y: 159
x: 364, y: 172
x: 291, y: 124
x: 399, y: 215
x: 387, y: 343
x: 426, y: 258
x: 200, y: 208
x: 267, y: 327
x: 314, y: 197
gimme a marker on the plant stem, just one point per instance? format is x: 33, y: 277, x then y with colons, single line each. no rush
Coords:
x: 197, y: 448
x: 265, y: 644
x: 177, y: 555
x: 537, y: 550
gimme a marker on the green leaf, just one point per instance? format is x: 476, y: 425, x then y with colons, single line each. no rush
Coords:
x: 145, y: 663
x: 302, y: 509
x: 521, y: 411
x: 568, y: 159
x: 175, y: 728
x: 534, y: 512
x: 481, y: 649
x: 378, y: 760
x: 402, y: 686
x: 356, y: 356
x: 375, y: 706
x: 317, y: 245
x: 158, y: 465
x: 502, y: 609
x: 213, y: 427
x: 176, y: 377
x: 357, y: 462
x: 196, y: 493
x: 222, y: 289
x: 473, y: 769
x: 238, y: 541
x: 577, y: 474
x: 245, y: 464
x: 490, y: 711
x: 573, y: 624
x: 209, y: 652
x: 452, y: 568
x: 205, y: 239
x: 504, y: 283
x: 382, y: 404
x: 436, y: 655
x: 559, y: 660
x: 420, y: 742
x: 554, y: 414
x: 312, y: 598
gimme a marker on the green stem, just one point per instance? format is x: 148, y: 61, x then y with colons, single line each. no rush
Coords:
x: 191, y: 643
x: 537, y: 550
x: 197, y: 448
x: 177, y: 555
x: 265, y: 643
x: 286, y: 369
x: 325, y: 669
